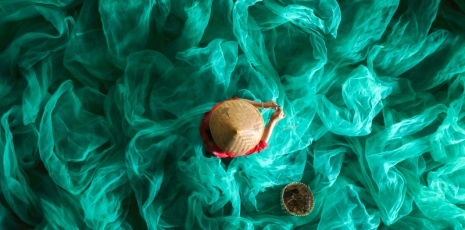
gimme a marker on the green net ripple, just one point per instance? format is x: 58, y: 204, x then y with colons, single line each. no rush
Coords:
x: 101, y: 101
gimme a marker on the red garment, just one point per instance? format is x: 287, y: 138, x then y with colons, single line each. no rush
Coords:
x: 212, y: 147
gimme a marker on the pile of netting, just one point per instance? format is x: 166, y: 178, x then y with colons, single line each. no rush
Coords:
x: 100, y: 105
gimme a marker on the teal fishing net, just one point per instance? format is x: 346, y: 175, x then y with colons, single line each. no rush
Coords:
x: 101, y: 101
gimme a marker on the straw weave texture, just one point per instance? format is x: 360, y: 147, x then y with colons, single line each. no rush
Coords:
x: 236, y: 126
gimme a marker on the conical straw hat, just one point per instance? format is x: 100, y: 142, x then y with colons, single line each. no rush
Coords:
x: 236, y: 126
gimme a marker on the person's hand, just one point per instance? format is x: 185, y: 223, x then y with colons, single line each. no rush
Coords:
x: 270, y: 104
x: 278, y: 114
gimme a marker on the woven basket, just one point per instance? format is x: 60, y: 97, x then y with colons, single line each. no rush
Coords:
x: 302, y: 201
x: 236, y: 126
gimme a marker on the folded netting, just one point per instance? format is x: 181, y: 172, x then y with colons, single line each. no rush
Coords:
x: 101, y: 102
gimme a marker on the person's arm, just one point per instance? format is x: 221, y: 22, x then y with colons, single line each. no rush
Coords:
x: 264, y: 105
x: 277, y: 116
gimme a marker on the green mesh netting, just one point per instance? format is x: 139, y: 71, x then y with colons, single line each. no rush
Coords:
x: 100, y: 105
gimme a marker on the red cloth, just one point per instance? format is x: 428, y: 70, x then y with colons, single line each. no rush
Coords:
x: 212, y: 147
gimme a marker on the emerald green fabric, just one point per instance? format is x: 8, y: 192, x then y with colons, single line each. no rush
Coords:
x: 101, y: 101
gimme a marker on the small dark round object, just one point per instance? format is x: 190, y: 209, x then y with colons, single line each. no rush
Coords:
x: 297, y: 199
